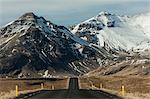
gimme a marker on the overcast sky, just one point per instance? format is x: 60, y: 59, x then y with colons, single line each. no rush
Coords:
x: 67, y: 12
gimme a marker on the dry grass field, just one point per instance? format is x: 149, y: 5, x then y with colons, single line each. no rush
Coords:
x: 135, y: 87
x: 7, y: 86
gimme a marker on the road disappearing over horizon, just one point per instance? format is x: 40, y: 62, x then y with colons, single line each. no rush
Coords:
x: 73, y: 92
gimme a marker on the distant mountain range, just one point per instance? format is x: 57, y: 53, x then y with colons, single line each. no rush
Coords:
x: 31, y: 46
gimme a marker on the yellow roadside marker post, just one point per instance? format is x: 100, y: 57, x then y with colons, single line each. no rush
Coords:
x: 42, y: 86
x: 17, y: 91
x: 101, y: 86
x: 122, y: 90
x: 53, y: 87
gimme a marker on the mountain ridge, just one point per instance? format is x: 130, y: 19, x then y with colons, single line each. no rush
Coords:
x: 39, y: 44
x: 32, y: 46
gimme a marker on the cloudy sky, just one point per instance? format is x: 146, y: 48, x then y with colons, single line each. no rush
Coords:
x: 67, y: 12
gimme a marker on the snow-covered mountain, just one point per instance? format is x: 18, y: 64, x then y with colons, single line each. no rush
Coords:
x: 32, y: 45
x: 120, y: 39
x: 116, y: 33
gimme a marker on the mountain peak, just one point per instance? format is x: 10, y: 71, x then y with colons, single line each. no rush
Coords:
x: 118, y: 32
x: 28, y: 15
x: 33, y: 36
x: 104, y: 13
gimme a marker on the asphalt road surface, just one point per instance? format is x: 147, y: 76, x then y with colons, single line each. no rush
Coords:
x: 73, y: 92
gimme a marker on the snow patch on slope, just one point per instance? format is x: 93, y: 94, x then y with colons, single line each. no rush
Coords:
x: 118, y: 32
x: 142, y: 22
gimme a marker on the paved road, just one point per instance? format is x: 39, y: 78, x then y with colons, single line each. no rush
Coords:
x: 73, y: 92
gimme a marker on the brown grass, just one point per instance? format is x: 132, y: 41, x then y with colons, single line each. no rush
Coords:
x: 7, y: 86
x: 134, y: 86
